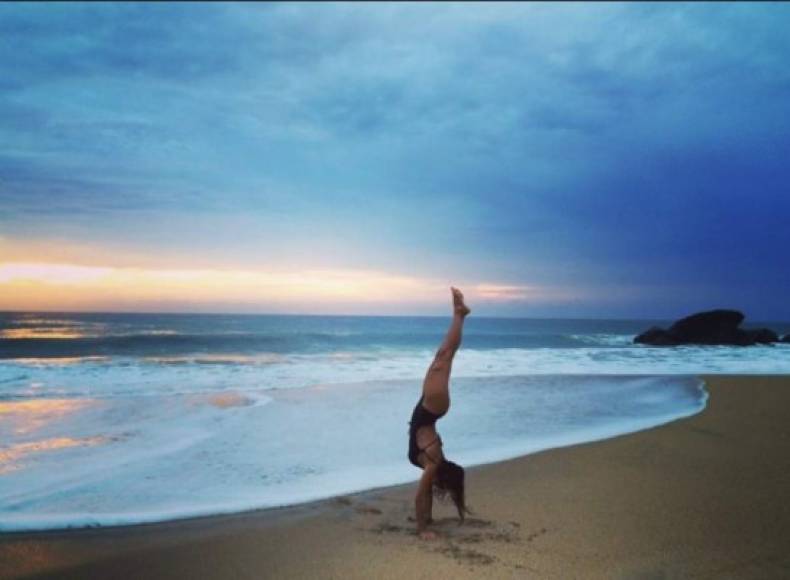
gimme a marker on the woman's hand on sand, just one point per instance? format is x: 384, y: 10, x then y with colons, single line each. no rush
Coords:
x: 428, y: 535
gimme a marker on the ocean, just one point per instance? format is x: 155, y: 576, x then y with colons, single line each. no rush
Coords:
x: 109, y: 419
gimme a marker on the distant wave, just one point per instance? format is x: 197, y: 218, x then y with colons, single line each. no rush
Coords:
x: 162, y: 342
x: 167, y: 374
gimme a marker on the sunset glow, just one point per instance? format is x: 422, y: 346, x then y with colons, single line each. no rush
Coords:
x: 43, y: 286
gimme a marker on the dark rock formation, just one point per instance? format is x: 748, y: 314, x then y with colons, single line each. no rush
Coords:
x: 711, y: 327
x: 763, y: 336
x: 656, y: 336
x: 785, y: 338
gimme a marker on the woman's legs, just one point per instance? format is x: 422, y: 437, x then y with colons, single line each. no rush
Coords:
x: 436, y: 387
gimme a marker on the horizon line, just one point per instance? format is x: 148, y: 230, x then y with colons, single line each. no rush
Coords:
x: 294, y: 314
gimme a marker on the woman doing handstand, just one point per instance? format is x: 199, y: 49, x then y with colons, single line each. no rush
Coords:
x: 439, y: 475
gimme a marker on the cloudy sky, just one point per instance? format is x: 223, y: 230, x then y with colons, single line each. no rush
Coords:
x: 603, y: 160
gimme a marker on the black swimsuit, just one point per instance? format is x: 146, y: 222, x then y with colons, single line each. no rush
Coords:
x: 421, y: 417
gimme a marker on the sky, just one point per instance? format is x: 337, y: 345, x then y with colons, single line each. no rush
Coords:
x: 552, y: 160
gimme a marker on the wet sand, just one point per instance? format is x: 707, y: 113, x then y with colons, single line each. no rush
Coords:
x: 703, y: 497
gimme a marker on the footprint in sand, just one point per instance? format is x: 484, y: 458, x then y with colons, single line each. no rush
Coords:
x: 477, y: 523
x: 455, y: 540
x: 388, y: 528
x: 537, y: 534
x: 466, y: 556
x: 366, y: 509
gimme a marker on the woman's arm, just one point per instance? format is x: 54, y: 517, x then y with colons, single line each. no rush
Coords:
x: 424, y: 500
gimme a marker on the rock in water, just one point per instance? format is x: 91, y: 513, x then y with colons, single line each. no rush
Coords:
x: 656, y: 336
x: 763, y: 336
x: 711, y: 327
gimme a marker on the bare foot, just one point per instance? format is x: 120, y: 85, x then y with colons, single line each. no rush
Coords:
x: 458, y: 302
x: 428, y: 535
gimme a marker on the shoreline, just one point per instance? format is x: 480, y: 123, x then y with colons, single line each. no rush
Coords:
x: 624, y: 403
x: 520, y: 507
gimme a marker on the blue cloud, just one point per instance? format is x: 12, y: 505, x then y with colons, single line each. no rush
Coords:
x: 596, y: 146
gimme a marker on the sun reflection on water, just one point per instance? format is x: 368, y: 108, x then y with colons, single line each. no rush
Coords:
x: 61, y: 332
x: 59, y: 360
x: 32, y: 414
x: 11, y: 456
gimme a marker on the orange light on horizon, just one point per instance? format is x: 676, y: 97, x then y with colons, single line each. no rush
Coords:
x: 51, y: 273
x: 48, y: 286
x: 502, y: 292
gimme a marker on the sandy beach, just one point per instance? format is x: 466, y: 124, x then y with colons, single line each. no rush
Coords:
x: 703, y: 497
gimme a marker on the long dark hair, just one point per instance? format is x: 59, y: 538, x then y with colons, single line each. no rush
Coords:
x: 450, y: 480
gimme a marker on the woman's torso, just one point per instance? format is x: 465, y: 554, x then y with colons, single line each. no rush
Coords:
x: 422, y: 431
